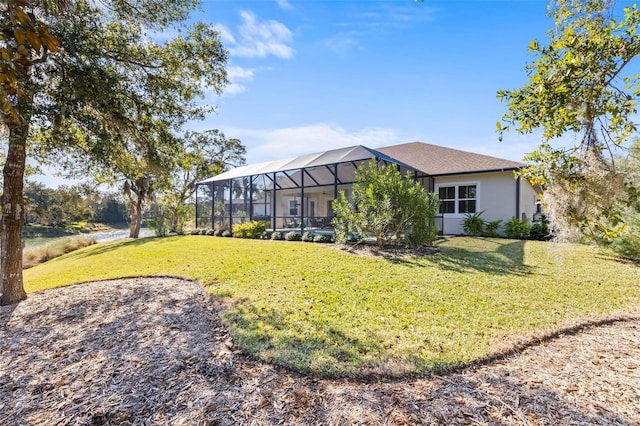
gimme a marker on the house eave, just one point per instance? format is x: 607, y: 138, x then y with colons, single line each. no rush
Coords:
x: 474, y: 172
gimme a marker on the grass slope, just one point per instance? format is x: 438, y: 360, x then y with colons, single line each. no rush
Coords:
x: 323, y: 311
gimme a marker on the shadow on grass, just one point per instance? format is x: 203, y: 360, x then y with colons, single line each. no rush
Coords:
x: 506, y: 259
x: 322, y: 351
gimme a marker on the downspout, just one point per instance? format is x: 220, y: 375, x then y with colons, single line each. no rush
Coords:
x: 518, y: 198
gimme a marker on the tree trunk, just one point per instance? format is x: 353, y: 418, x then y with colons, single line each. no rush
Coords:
x: 136, y: 217
x: 11, y: 286
x: 175, y: 219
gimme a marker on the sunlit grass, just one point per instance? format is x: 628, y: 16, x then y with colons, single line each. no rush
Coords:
x: 324, y: 311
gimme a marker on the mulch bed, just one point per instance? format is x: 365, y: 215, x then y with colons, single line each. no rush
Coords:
x: 154, y: 351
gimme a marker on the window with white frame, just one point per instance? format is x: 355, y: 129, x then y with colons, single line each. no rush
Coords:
x: 458, y: 199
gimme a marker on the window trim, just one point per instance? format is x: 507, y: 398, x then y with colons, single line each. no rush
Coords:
x: 457, y: 199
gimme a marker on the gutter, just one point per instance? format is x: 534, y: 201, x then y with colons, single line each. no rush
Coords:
x: 507, y: 169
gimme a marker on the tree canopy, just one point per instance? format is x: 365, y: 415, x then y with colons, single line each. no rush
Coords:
x: 582, y: 84
x: 200, y: 155
x: 101, y: 84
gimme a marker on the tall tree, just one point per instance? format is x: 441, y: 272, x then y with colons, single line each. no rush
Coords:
x: 113, y: 86
x: 25, y: 43
x: 202, y: 155
x: 583, y: 82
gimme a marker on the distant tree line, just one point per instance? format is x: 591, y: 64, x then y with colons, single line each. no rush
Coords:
x: 68, y: 204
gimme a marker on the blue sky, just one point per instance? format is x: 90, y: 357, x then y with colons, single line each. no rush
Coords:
x: 313, y: 75
x: 308, y: 75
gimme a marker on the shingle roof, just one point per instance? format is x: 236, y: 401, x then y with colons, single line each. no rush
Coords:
x: 430, y: 159
x: 437, y: 160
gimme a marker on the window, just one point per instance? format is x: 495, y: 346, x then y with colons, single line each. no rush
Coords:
x: 467, y: 199
x: 293, y: 207
x: 447, y: 195
x: 459, y: 199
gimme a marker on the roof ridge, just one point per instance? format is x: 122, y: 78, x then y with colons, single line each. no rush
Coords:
x: 451, y: 149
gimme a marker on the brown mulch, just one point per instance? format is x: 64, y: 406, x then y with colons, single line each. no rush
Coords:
x: 153, y: 351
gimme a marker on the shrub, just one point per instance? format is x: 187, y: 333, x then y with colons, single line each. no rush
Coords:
x: 226, y: 233
x: 307, y: 237
x: 240, y: 231
x: 251, y: 229
x: 158, y: 227
x: 323, y: 238
x: 627, y: 245
x: 491, y: 228
x: 517, y: 228
x: 473, y: 224
x: 266, y: 235
x: 277, y: 235
x: 293, y: 236
x: 391, y: 207
x: 540, y: 231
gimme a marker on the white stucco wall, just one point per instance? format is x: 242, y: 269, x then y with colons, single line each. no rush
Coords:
x: 496, y: 195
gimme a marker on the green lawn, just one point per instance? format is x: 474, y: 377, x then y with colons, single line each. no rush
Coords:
x: 324, y: 311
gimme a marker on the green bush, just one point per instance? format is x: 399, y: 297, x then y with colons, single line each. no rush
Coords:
x: 517, y: 228
x: 395, y: 209
x: 266, y: 235
x: 251, y: 229
x: 540, y: 231
x: 627, y: 245
x: 473, y: 224
x: 158, y: 227
x: 277, y: 235
x: 491, y: 228
x: 226, y: 233
x: 307, y: 237
x: 293, y: 236
x: 323, y: 238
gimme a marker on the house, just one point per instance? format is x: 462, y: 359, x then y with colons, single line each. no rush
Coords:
x: 296, y: 193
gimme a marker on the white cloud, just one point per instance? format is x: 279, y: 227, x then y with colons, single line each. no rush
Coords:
x: 342, y: 43
x: 272, y: 144
x: 259, y: 39
x: 238, y: 76
x: 284, y: 4
x: 225, y: 34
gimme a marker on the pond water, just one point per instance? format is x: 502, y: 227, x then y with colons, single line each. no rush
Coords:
x: 100, y: 236
x: 117, y: 234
